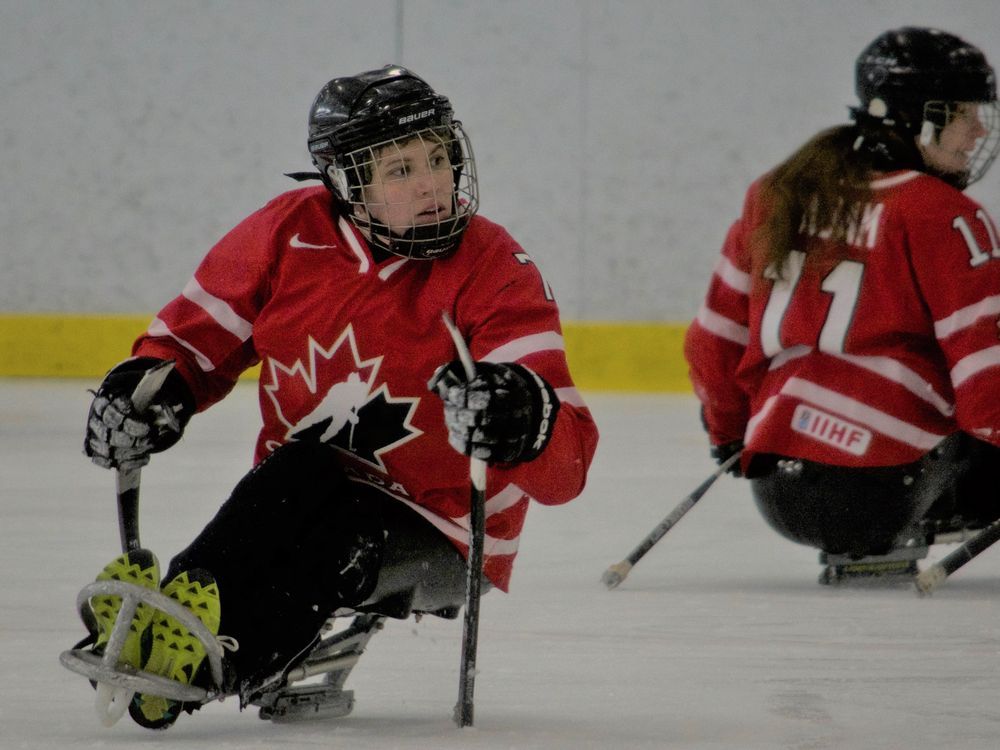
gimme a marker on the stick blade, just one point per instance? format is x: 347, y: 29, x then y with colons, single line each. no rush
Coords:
x: 930, y: 579
x: 615, y: 574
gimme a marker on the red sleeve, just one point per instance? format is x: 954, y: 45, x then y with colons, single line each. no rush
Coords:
x: 717, y: 339
x: 956, y: 262
x: 208, y: 328
x: 508, y: 315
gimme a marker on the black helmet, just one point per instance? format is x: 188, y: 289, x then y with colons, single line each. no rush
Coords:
x: 353, y: 118
x: 907, y: 67
x: 908, y: 80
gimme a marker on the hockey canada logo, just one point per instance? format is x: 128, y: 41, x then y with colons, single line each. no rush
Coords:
x: 342, y: 405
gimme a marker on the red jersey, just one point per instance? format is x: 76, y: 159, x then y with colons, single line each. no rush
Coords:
x: 870, y: 358
x: 347, y: 346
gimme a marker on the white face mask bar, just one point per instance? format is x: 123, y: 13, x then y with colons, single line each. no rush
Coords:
x: 988, y: 146
x: 939, y: 114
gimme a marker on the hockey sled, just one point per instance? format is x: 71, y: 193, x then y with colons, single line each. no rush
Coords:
x: 116, y: 683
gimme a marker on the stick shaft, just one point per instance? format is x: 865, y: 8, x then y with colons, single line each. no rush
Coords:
x: 678, y: 513
x: 465, y: 708
x: 128, y: 509
x: 127, y: 482
x: 617, y: 573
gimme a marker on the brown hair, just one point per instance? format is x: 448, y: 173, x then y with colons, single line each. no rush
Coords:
x: 823, y: 186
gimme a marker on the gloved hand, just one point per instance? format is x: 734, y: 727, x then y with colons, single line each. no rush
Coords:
x: 504, y: 415
x: 722, y: 453
x: 118, y: 436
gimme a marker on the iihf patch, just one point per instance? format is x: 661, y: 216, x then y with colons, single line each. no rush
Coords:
x: 831, y: 430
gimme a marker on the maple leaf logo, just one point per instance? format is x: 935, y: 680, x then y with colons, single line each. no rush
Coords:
x: 352, y: 414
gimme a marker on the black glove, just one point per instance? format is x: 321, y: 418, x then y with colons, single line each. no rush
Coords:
x: 722, y: 453
x: 504, y: 415
x: 118, y: 436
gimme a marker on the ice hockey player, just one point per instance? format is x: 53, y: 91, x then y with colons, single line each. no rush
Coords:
x: 848, y: 342
x: 359, y: 498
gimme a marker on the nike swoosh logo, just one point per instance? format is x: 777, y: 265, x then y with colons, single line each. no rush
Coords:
x: 296, y: 242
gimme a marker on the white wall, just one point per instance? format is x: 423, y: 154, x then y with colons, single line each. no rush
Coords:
x: 614, y: 139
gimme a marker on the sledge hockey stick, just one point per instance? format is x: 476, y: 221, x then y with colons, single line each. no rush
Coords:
x: 616, y: 573
x: 477, y: 530
x: 111, y: 702
x: 934, y: 576
x: 127, y: 480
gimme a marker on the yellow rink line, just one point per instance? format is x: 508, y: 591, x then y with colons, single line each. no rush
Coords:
x: 627, y: 356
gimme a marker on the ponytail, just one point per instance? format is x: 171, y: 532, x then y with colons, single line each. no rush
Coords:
x: 823, y: 186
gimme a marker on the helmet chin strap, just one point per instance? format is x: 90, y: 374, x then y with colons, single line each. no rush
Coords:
x: 927, y: 130
x: 416, y: 242
x: 928, y: 134
x: 336, y: 180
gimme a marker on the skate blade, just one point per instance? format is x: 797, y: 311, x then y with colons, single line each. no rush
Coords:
x: 870, y: 582
x: 308, y: 703
x: 869, y: 576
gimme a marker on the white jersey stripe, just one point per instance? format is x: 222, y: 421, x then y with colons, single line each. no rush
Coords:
x: 390, y: 269
x: 899, y: 179
x: 974, y: 364
x: 491, y: 544
x: 571, y: 396
x: 731, y: 276
x: 966, y: 316
x: 159, y: 328
x: 494, y: 546
x: 347, y: 230
x: 757, y: 418
x: 723, y: 327
x: 517, y: 349
x: 899, y: 373
x: 887, y: 367
x: 856, y: 411
x: 787, y: 355
x: 508, y: 497
x: 514, y: 350
x: 218, y: 309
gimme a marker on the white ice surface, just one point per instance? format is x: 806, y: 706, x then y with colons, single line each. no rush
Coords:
x: 720, y: 638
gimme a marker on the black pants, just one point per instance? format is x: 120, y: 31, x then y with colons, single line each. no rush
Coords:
x: 296, y: 541
x: 863, y: 511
